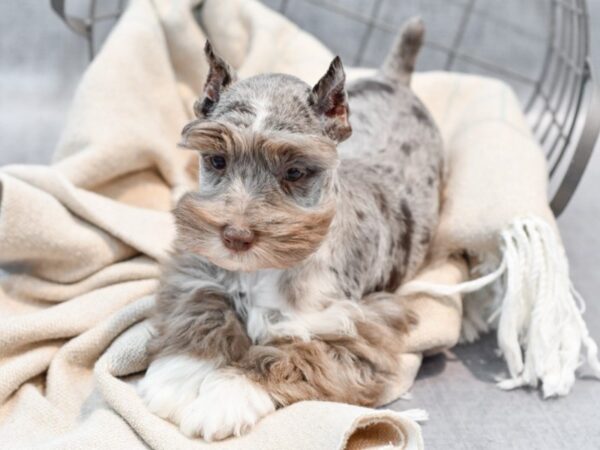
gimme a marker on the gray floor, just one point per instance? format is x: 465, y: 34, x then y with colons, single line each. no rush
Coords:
x: 41, y: 62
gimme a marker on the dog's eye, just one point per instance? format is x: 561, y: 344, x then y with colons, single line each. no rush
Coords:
x: 293, y: 174
x: 218, y: 162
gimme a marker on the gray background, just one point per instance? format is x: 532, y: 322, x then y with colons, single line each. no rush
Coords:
x: 41, y: 62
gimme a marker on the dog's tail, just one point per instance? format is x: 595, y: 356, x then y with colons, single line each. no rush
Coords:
x: 400, y: 61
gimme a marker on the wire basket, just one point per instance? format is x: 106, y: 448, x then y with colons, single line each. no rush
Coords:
x: 539, y: 47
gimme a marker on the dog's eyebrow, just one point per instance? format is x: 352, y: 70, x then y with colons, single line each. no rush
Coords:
x: 316, y: 152
x: 189, y: 126
x: 200, y: 134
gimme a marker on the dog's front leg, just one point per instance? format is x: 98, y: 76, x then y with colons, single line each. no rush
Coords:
x: 190, y: 381
x: 315, y: 370
x: 358, y: 367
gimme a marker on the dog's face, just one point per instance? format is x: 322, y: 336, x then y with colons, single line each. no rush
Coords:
x: 267, y: 167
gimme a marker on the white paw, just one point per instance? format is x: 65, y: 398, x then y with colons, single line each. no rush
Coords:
x: 171, y: 383
x: 229, y: 404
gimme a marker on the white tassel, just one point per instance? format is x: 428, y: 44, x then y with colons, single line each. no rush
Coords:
x: 446, y: 290
x: 540, y: 329
x: 539, y: 312
x: 479, y: 311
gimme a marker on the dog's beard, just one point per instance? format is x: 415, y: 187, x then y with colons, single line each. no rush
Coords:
x: 285, y: 236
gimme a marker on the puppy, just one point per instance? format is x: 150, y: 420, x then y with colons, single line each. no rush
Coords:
x: 280, y: 286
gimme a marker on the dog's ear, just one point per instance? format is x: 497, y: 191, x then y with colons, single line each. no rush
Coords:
x: 330, y: 101
x: 220, y: 75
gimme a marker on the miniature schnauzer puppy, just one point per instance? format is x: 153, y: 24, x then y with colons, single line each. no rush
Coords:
x: 281, y: 283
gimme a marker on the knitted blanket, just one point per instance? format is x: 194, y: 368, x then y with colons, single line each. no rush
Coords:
x: 82, y: 240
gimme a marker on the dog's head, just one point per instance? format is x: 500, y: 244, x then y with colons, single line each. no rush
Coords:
x: 268, y: 156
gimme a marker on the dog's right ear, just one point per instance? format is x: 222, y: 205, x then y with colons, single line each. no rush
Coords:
x: 220, y: 75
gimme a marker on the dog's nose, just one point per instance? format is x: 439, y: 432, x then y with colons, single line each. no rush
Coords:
x: 237, y: 239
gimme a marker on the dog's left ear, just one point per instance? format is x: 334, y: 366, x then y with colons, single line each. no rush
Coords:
x: 220, y: 75
x: 329, y: 100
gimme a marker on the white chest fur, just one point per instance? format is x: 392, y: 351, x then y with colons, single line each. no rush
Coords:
x: 259, y: 301
x: 268, y: 314
x: 260, y: 288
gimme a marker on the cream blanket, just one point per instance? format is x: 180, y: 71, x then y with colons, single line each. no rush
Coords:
x: 83, y: 237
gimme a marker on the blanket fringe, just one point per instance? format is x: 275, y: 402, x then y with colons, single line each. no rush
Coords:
x: 541, y: 332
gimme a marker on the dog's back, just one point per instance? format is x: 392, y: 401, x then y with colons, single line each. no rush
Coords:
x: 396, y: 151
